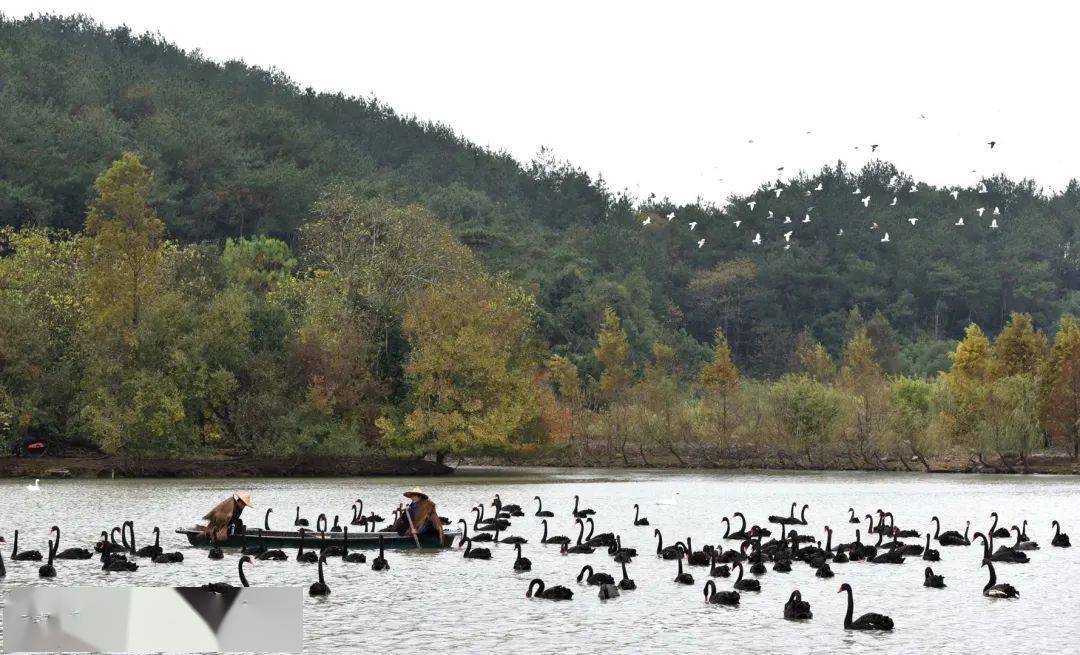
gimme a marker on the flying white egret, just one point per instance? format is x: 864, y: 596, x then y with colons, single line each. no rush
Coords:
x: 997, y: 212
x: 787, y: 246
x: 671, y: 216
x: 960, y: 222
x: 885, y: 239
x: 866, y: 201
x: 913, y: 189
x: 700, y: 242
x: 752, y: 204
x: 777, y: 191
x: 980, y: 210
x: 993, y: 224
x: 982, y: 188
x: 840, y: 233
x: 693, y: 224
x: 893, y: 203
x: 856, y: 192
x: 954, y: 193
x: 647, y: 221
x: 806, y: 219
x: 913, y: 220
x: 757, y: 239
x: 819, y: 187
x: 787, y: 219
x: 770, y: 214
x: 737, y: 223
x: 787, y: 235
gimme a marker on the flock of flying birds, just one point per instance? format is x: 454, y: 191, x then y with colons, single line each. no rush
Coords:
x: 778, y: 189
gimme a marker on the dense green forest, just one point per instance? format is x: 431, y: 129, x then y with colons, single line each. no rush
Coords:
x: 201, y: 253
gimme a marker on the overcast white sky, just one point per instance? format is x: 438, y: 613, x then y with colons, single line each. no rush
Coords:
x: 664, y: 96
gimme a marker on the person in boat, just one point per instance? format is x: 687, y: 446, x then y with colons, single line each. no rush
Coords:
x: 224, y: 519
x: 421, y: 511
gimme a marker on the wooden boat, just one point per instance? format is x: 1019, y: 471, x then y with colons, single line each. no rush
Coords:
x: 316, y: 540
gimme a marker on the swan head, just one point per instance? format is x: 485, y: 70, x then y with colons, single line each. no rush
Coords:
x: 844, y: 587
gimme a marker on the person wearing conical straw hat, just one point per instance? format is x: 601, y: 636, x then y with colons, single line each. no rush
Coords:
x: 421, y: 510
x: 225, y: 517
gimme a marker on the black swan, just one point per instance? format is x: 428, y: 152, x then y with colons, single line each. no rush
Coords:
x: 513, y: 539
x: 346, y: 556
x: 903, y: 534
x: 299, y: 521
x: 994, y: 590
x: 1003, y: 553
x: 70, y: 553
x: 24, y: 556
x: 626, y: 584
x: 824, y: 571
x: 730, y: 598
x: 380, y: 563
x: 272, y: 555
x: 785, y: 520
x: 115, y: 564
x: 606, y: 539
x: 258, y: 549
x: 540, y: 511
x: 321, y: 523
x: 996, y: 531
x: 319, y: 588
x: 266, y: 519
x: 870, y: 621
x: 521, y: 563
x: 950, y: 537
x: 797, y: 609
x: 608, y: 591
x: 3, y: 571
x: 478, y: 553
x: 717, y: 570
x: 620, y: 554
x: 307, y: 557
x: 1023, y: 543
x: 594, y: 578
x: 682, y: 577
x: 745, y: 585
x: 581, y: 513
x: 358, y: 514
x: 558, y: 592
x: 698, y: 558
x: 671, y: 552
x: 555, y: 539
x: 639, y: 521
x: 215, y: 552
x: 222, y: 587
x: 337, y: 524
x: 929, y: 554
x: 480, y: 535
x: 782, y: 565
x: 741, y: 532
x: 1061, y: 540
x: 852, y: 518
x: 931, y: 580
x: 47, y: 570
x: 171, y: 558
x: 580, y: 548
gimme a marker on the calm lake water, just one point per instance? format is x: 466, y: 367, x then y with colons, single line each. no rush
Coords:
x: 442, y: 601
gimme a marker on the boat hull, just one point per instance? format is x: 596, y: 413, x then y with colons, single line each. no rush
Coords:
x: 317, y: 540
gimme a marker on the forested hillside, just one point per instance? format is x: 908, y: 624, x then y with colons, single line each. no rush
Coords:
x: 239, y: 182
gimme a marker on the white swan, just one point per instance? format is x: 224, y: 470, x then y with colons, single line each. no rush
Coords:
x: 34, y: 487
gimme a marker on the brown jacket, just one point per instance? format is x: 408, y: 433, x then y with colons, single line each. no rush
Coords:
x: 426, y: 515
x: 220, y: 518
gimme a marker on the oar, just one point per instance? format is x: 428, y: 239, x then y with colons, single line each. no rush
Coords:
x: 412, y: 528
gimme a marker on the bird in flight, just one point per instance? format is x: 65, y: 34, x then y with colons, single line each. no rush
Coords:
x: 960, y: 222
x: 806, y: 219
x: 787, y: 219
x: 893, y: 203
x: 646, y: 221
x: 980, y: 210
x: 818, y: 187
x: 787, y: 235
x: 700, y: 242
x: 913, y: 220
x: 757, y: 239
x: 873, y: 147
x: 840, y: 233
x: 866, y: 201
x: 856, y: 192
x: 913, y: 189
x: 997, y: 212
x: 993, y: 224
x: 671, y: 216
x: 693, y: 224
x: 982, y: 188
x: 991, y: 144
x: 954, y: 193
x: 770, y: 214
x: 777, y: 191
x: 885, y: 239
x: 737, y: 223
x: 751, y: 204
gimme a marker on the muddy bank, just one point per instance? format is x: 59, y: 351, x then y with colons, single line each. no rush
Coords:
x: 214, y: 467
x: 1049, y: 463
